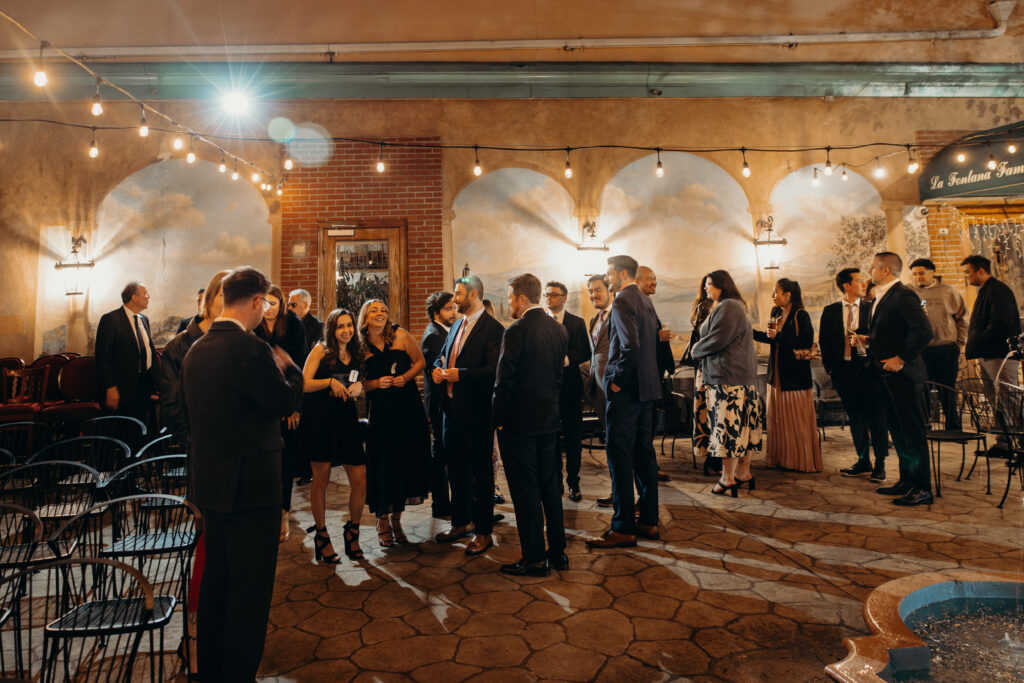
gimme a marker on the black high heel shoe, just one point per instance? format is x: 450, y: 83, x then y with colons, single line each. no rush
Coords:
x: 320, y: 541
x: 751, y: 483
x: 351, y: 537
x: 721, y: 488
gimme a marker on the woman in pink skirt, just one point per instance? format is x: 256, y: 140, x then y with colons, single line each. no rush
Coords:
x: 792, y: 426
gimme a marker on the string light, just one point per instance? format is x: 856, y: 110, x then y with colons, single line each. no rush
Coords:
x: 828, y: 161
x: 991, y: 159
x: 814, y: 180
x: 178, y: 143
x: 879, y: 171
x: 234, y: 173
x: 280, y: 189
x: 143, y: 126
x: 97, y: 105
x: 568, y: 166
x: 288, y: 164
x: 380, y: 160
x: 912, y: 164
x: 40, y: 78
x: 94, y: 151
x: 223, y: 166
x: 746, y: 168
x: 961, y: 157
x: 477, y: 170
x: 255, y: 176
x: 659, y: 170
x: 191, y: 158
x: 1011, y: 148
x: 845, y: 177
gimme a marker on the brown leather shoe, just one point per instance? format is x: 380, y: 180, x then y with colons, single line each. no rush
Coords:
x: 650, y: 532
x: 479, y: 544
x: 612, y: 539
x: 454, y: 533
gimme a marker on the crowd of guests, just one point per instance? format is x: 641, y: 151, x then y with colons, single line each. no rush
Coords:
x: 254, y: 410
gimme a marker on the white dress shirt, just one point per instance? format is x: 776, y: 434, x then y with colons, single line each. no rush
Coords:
x: 145, y: 350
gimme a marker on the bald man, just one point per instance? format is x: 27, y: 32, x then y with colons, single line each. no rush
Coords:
x: 648, y: 283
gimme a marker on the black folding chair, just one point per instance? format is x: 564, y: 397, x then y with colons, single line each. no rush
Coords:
x: 104, y: 454
x: 166, y: 474
x: 937, y: 434
x: 120, y: 427
x: 23, y: 439
x: 21, y: 533
x: 1011, y: 415
x: 984, y: 420
x: 165, y: 444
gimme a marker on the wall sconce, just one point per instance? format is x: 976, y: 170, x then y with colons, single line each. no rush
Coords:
x: 588, y: 238
x: 71, y: 267
x: 769, y: 244
x: 465, y: 270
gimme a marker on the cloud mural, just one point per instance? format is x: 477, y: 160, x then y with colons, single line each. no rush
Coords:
x: 173, y: 225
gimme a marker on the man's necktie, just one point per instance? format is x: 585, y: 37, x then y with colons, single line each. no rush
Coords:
x: 850, y: 326
x: 456, y: 347
x: 142, y: 344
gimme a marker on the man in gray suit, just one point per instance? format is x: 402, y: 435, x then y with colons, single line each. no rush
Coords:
x: 598, y: 329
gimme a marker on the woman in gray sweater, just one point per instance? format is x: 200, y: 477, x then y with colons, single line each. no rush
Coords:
x: 728, y: 366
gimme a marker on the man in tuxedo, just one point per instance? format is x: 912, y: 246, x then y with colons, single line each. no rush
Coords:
x: 237, y: 389
x: 441, y: 311
x: 526, y: 416
x: 299, y: 302
x: 897, y: 334
x: 647, y: 281
x: 570, y: 405
x: 467, y: 364
x: 631, y: 385
x: 848, y: 366
x: 125, y: 355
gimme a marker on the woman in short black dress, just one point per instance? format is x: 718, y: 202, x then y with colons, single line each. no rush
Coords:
x: 330, y: 426
x: 398, y: 443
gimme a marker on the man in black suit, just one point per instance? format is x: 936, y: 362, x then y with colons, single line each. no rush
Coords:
x: 299, y: 302
x: 200, y: 300
x: 237, y: 389
x: 125, y: 355
x: 897, y: 334
x: 632, y: 386
x: 601, y: 298
x: 570, y: 406
x: 848, y: 366
x: 647, y: 281
x: 441, y: 311
x: 526, y: 415
x: 467, y: 364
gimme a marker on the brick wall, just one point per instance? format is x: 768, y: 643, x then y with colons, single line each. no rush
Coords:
x: 946, y: 249
x: 348, y: 188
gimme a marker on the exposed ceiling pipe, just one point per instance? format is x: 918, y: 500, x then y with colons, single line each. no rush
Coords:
x: 999, y: 11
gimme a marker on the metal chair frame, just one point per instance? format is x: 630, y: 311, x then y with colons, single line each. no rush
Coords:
x: 937, y: 434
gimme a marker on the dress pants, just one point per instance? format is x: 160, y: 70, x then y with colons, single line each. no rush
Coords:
x: 630, y: 449
x: 571, y: 414
x: 905, y: 404
x: 943, y: 363
x: 439, y: 498
x: 234, y: 599
x: 289, y: 456
x: 532, y: 469
x: 467, y: 449
x: 855, y: 385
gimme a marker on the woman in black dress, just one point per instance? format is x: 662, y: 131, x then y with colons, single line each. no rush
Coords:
x: 281, y: 327
x: 398, y: 444
x: 330, y: 426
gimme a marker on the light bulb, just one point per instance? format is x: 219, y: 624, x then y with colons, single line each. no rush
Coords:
x: 380, y: 167
x: 844, y: 176
x: 879, y: 172
x: 380, y: 160
x: 255, y: 176
x: 288, y: 164
x: 234, y: 175
x: 223, y: 167
x: 177, y: 144
x: 746, y: 170
x: 913, y: 166
x: 1011, y: 148
x: 992, y: 162
x: 97, y: 106
x: 143, y: 127
x: 961, y: 157
x: 94, y: 151
x: 828, y: 167
x: 191, y: 157
x: 477, y: 170
x: 815, y: 181
x: 568, y: 166
x: 279, y: 191
x: 40, y: 77
x: 659, y: 170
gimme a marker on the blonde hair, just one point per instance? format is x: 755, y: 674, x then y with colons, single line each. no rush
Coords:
x: 212, y: 290
x: 387, y: 334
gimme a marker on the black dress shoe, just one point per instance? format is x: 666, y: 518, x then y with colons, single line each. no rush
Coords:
x: 575, y: 495
x: 663, y: 477
x: 302, y: 481
x: 898, y: 489
x: 878, y: 475
x: 861, y: 467
x: 604, y: 502
x: 497, y: 518
x: 522, y: 568
x: 498, y: 498
x: 560, y: 562
x: 915, y: 497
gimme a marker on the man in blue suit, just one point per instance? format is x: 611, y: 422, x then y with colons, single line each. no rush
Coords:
x: 632, y: 386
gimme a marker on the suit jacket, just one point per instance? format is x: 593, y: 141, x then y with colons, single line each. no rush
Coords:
x: 172, y: 398
x: 117, y: 356
x: 632, y: 353
x: 526, y: 390
x: 477, y: 363
x: 994, y: 319
x: 796, y: 332
x: 832, y: 332
x: 900, y: 327
x: 431, y: 344
x: 598, y: 349
x: 313, y: 329
x: 235, y: 398
x: 578, y: 352
x: 666, y: 361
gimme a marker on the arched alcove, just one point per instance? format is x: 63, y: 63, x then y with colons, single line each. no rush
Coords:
x: 692, y: 220
x: 515, y: 220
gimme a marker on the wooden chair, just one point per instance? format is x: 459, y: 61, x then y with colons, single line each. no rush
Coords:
x: 77, y: 384
x: 11, y: 363
x: 23, y: 393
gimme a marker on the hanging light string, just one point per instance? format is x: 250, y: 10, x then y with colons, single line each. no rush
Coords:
x: 44, y: 44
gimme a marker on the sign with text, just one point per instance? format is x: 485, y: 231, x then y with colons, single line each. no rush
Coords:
x: 988, y: 168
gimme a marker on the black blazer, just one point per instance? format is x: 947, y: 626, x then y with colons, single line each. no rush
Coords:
x: 235, y: 398
x: 994, y: 319
x: 832, y: 332
x: 796, y: 333
x: 313, y: 329
x: 431, y: 344
x: 632, y: 354
x: 172, y: 398
x: 477, y: 363
x: 666, y: 361
x: 293, y: 340
x: 579, y: 352
x: 117, y: 355
x: 900, y: 327
x: 526, y: 390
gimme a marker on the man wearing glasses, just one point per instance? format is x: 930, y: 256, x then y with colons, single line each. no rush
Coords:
x: 571, y: 397
x: 299, y: 302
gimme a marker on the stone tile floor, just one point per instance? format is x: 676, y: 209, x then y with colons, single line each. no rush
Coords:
x: 760, y: 588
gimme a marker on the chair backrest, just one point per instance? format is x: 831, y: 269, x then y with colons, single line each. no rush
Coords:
x: 161, y: 445
x: 103, y: 453
x: 979, y: 406
x: 55, y: 363
x: 70, y: 354
x: 11, y: 363
x: 77, y: 379
x: 25, y: 386
x: 20, y: 532
x: 1010, y: 413
x: 127, y: 429
x: 54, y: 490
x: 937, y: 393
x: 164, y: 474
x: 24, y: 438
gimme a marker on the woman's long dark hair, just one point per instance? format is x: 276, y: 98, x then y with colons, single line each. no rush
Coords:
x: 331, y: 337
x: 723, y: 281
x: 701, y: 305
x: 791, y: 287
x: 277, y: 332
